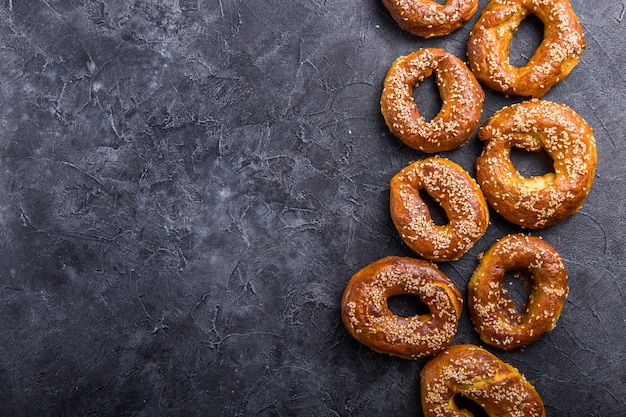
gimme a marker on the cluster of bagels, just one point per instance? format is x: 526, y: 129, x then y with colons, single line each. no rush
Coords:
x: 530, y: 202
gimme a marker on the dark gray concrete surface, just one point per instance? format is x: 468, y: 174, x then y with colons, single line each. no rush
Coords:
x: 187, y: 186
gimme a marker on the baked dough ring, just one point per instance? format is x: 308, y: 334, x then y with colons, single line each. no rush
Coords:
x: 367, y: 317
x: 494, y: 314
x: 428, y: 18
x: 476, y: 374
x: 455, y: 191
x: 559, y: 52
x: 462, y: 101
x: 538, y: 201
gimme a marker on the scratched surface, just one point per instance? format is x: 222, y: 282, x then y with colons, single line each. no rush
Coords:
x: 188, y: 185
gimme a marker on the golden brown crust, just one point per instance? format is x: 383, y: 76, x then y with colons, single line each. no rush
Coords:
x: 457, y: 193
x: 476, y: 374
x: 428, y: 18
x: 559, y: 52
x: 494, y: 314
x: 539, y: 201
x: 367, y: 317
x: 462, y: 101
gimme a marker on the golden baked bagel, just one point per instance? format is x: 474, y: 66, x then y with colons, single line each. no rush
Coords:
x: 474, y: 373
x: 494, y: 314
x: 539, y: 201
x: 366, y: 314
x: 455, y: 191
x: 559, y: 52
x: 428, y: 18
x: 461, y: 95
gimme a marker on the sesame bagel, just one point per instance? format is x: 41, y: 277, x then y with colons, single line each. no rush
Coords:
x: 544, y: 200
x: 495, y: 315
x: 474, y: 373
x: 559, y: 52
x: 428, y: 18
x: 455, y: 191
x: 366, y: 314
x: 462, y: 101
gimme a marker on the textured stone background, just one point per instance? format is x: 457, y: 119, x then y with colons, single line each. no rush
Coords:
x: 188, y: 185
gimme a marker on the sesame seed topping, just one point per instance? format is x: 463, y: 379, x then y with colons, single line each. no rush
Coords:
x: 494, y: 314
x: 462, y: 100
x: 480, y: 376
x: 367, y: 315
x: 558, y: 53
x: 429, y: 19
x: 538, y: 201
x: 458, y: 195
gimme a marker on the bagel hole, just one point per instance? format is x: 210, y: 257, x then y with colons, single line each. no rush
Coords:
x: 526, y: 40
x: 518, y: 284
x: 437, y: 213
x: 427, y: 98
x: 531, y: 164
x: 465, y: 404
x: 407, y: 305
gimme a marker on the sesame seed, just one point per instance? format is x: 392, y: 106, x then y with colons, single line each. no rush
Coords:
x: 494, y: 314
x: 367, y: 316
x: 456, y: 192
x: 538, y: 201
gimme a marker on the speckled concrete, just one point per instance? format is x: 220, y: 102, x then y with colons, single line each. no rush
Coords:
x: 188, y: 185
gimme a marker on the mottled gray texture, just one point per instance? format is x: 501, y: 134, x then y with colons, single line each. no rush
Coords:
x: 188, y: 185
